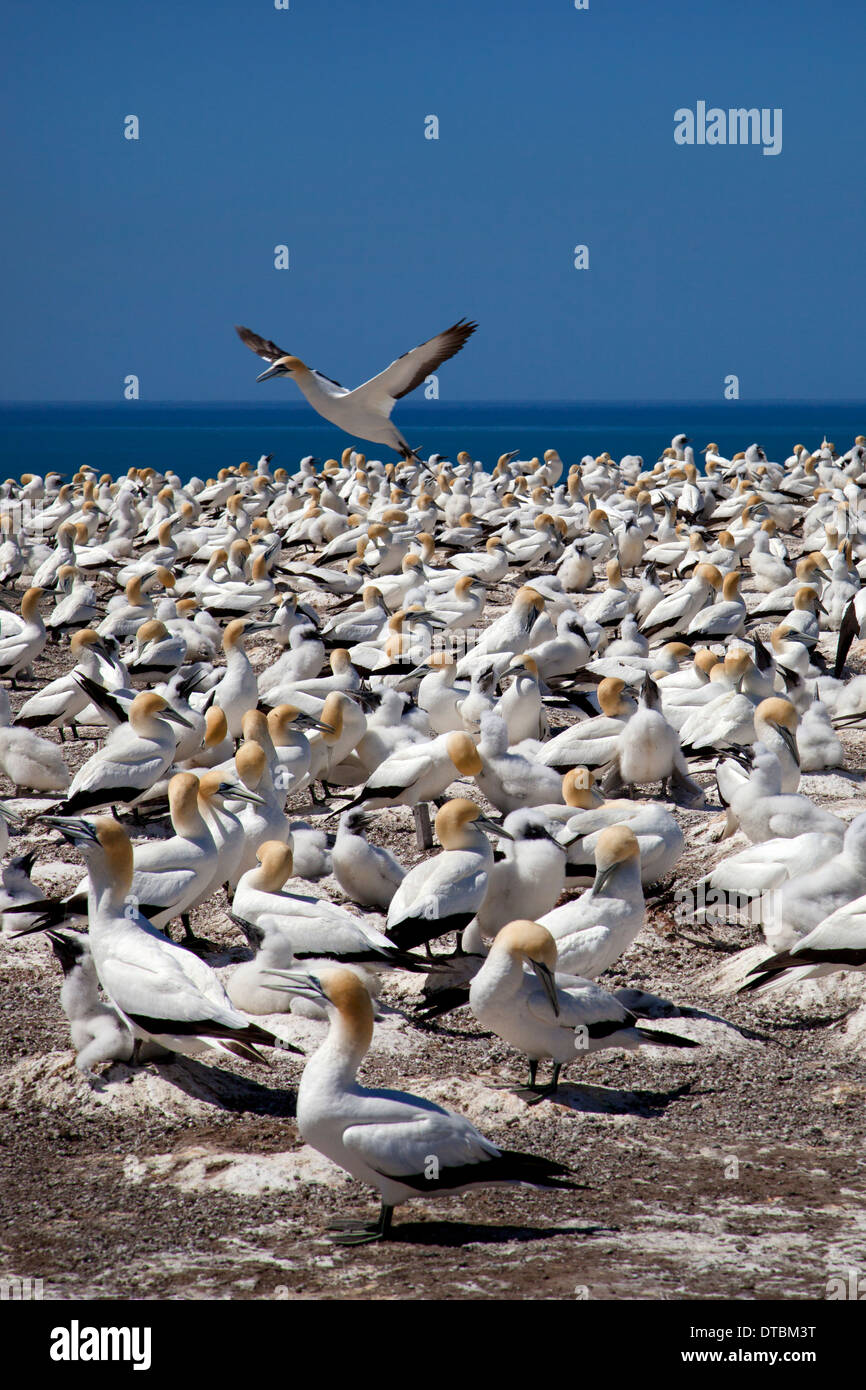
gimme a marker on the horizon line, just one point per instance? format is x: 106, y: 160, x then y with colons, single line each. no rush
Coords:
x: 510, y: 404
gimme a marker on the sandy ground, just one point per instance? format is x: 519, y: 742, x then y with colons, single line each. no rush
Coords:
x: 734, y: 1170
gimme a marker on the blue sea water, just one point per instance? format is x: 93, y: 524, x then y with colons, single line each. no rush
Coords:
x: 200, y: 439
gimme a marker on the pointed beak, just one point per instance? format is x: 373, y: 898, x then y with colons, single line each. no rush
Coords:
x: 74, y: 829
x: 235, y: 792
x: 276, y: 370
x: 569, y: 841
x: 493, y: 828
x: 174, y: 718
x: 789, y: 741
x: 294, y: 982
x: 307, y: 721
x: 63, y: 948
x: 602, y: 879
x: 548, y: 983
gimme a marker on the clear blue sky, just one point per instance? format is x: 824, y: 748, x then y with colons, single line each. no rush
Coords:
x: 306, y: 127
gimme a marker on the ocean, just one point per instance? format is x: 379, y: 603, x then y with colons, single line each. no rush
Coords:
x: 200, y: 439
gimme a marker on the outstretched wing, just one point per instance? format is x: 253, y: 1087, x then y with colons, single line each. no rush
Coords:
x: 408, y: 371
x: 262, y: 347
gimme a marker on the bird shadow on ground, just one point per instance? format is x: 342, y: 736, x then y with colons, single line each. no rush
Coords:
x: 226, y: 1090
x: 602, y: 1100
x: 454, y: 1234
x: 810, y: 1021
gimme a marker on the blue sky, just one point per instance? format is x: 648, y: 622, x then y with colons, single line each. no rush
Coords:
x: 306, y: 127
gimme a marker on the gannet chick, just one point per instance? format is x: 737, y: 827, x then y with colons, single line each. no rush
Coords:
x: 526, y: 878
x: 313, y: 849
x: 99, y: 1034
x: 18, y: 894
x: 818, y: 746
x: 648, y: 750
x: 541, y: 1017
x: 594, y: 930
x: 30, y: 762
x: 507, y: 778
x: 764, y: 813
x: 444, y: 893
x: 367, y: 874
x: 399, y: 1144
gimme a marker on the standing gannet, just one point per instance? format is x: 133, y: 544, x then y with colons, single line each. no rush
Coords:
x: 541, y: 1017
x: 163, y: 992
x: 399, y: 1144
x: 159, y: 653
x: 168, y: 875
x: 20, y: 649
x: 810, y: 895
x: 263, y: 819
x: 670, y: 617
x: 444, y: 893
x: 724, y: 619
x: 512, y: 633
x: 76, y: 607
x: 852, y: 626
x: 521, y: 705
x: 365, y: 411
x: 660, y: 840
x: 758, y: 869
x: 237, y: 690
x: 593, y: 931
x: 216, y: 748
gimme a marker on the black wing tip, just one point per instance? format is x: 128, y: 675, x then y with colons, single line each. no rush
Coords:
x: 535, y: 1170
x: 659, y: 1037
